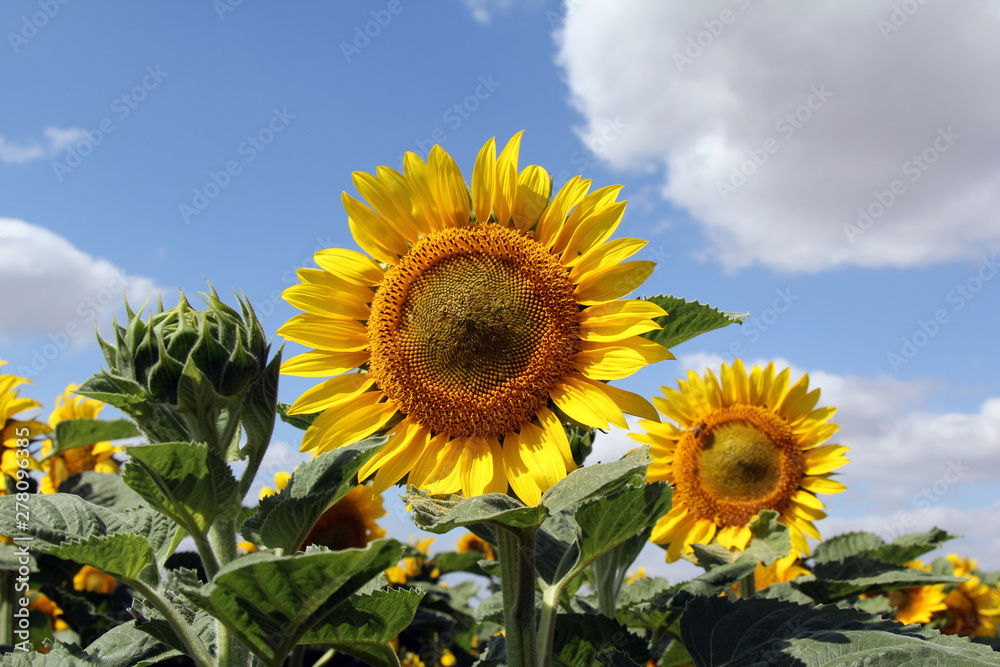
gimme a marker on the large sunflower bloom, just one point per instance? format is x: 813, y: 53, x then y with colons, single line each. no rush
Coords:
x: 739, y: 446
x: 14, y: 430
x: 482, y: 320
x: 96, y: 457
x: 972, y: 606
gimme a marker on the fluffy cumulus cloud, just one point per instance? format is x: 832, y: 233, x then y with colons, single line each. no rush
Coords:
x: 53, y: 289
x: 802, y: 136
x: 55, y: 139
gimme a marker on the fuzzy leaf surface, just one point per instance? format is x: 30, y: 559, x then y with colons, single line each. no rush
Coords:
x: 687, y: 319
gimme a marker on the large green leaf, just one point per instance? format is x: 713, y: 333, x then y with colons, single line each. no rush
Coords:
x: 759, y: 631
x: 836, y: 580
x: 155, y: 420
x: 908, y: 547
x: 579, y: 638
x: 59, y: 518
x: 769, y: 541
x: 189, y: 482
x: 845, y: 545
x: 604, y: 523
x: 365, y: 624
x: 595, y: 480
x: 270, y: 602
x: 283, y: 520
x: 73, y: 433
x: 258, y: 410
x: 687, y: 319
x: 124, y: 556
x: 126, y: 646
x: 440, y: 515
x: 101, y: 488
x: 298, y: 421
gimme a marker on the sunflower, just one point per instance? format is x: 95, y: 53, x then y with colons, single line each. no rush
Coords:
x: 15, y: 430
x: 91, y: 579
x: 972, y: 606
x: 918, y: 604
x: 470, y: 542
x: 481, y: 321
x: 413, y: 566
x: 96, y: 457
x: 740, y: 446
x: 350, y: 523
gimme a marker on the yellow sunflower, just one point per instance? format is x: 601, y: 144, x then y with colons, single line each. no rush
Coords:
x: 481, y: 321
x: 413, y: 566
x: 917, y: 605
x: 91, y: 579
x: 470, y: 542
x: 15, y: 431
x: 972, y: 606
x: 740, y: 446
x: 350, y: 523
x: 96, y: 457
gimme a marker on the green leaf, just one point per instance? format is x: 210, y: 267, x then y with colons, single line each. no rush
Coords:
x: 687, y: 319
x: 843, y: 546
x: 189, y: 482
x: 283, y: 520
x: 101, y: 488
x: 451, y: 561
x: 595, y: 480
x: 59, y: 518
x: 11, y: 559
x: 259, y: 409
x: 298, y: 421
x: 604, y: 523
x: 836, y: 580
x: 270, y: 602
x: 155, y: 420
x: 365, y: 624
x: 579, y: 638
x: 769, y: 541
x: 759, y: 631
x: 439, y: 515
x: 908, y: 547
x: 155, y: 625
x: 73, y: 433
x: 127, y: 646
x: 61, y: 655
x: 124, y: 556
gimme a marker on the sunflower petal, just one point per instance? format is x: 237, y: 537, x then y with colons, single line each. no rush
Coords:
x: 505, y: 188
x: 483, y: 177
x: 592, y: 231
x: 416, y: 173
x: 822, y: 485
x: 631, y: 404
x: 372, y: 232
x: 325, y: 301
x: 602, y: 361
x: 445, y: 477
x: 481, y: 467
x: 554, y: 217
x: 325, y: 333
x: 351, y: 266
x: 604, y: 255
x: 397, y: 456
x: 428, y: 461
x: 531, y: 464
x: 556, y: 435
x: 448, y: 188
x: 319, y: 363
x: 348, y: 422
x: 613, y: 282
x: 397, y: 218
x: 534, y: 186
x: 331, y: 392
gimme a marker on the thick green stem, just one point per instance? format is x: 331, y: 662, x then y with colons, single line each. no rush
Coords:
x: 195, y: 647
x: 222, y: 546
x: 6, y: 607
x: 208, y: 559
x: 748, y: 586
x: 547, y: 624
x: 606, y: 571
x: 517, y: 581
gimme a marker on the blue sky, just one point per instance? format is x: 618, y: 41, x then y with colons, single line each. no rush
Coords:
x: 149, y: 147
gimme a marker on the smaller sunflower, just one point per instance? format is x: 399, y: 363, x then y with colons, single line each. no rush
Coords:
x: 741, y: 445
x: 16, y: 430
x: 470, y: 542
x: 413, y: 566
x: 350, y: 523
x: 91, y: 579
x: 972, y: 606
x: 96, y: 457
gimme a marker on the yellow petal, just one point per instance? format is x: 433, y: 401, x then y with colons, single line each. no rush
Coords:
x: 605, y: 255
x: 556, y: 434
x: 505, y: 188
x: 584, y: 401
x: 445, y: 477
x: 666, y: 527
x: 822, y: 485
x: 531, y: 465
x: 389, y: 211
x: 483, y: 181
x: 593, y: 230
x: 417, y: 179
x: 534, y: 186
x: 372, y: 232
x: 331, y: 392
x: 325, y: 333
x: 448, y: 188
x: 602, y: 361
x: 825, y: 458
x: 631, y: 404
x: 350, y: 265
x: 320, y: 363
x: 630, y: 308
x: 481, y: 467
x: 613, y: 282
x: 592, y: 202
x: 808, y: 500
x: 406, y: 201
x: 325, y: 301
x: 612, y: 329
x: 430, y: 459
x: 395, y: 458
x: 348, y: 422
x: 554, y: 216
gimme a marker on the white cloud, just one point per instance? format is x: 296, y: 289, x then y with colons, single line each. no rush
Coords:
x: 56, y: 139
x: 884, y: 97
x: 53, y: 289
x: 483, y: 11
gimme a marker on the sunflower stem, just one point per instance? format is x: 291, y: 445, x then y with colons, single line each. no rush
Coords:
x: 748, y: 586
x: 7, y: 607
x: 517, y: 582
x: 606, y: 576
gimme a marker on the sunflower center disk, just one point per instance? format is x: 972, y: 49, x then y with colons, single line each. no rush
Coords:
x: 744, y: 459
x: 473, y: 329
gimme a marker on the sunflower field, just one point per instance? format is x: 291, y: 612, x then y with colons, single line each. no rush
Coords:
x: 465, y: 361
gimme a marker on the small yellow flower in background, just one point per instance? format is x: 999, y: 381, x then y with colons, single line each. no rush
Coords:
x: 447, y: 659
x: 93, y: 580
x: 96, y: 457
x: 41, y: 602
x: 243, y: 548
x: 412, y: 565
x: 481, y: 324
x: 739, y: 446
x: 639, y: 574
x: 972, y: 607
x: 470, y: 542
x: 350, y: 523
x: 14, y: 430
x: 918, y: 604
x: 781, y: 570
